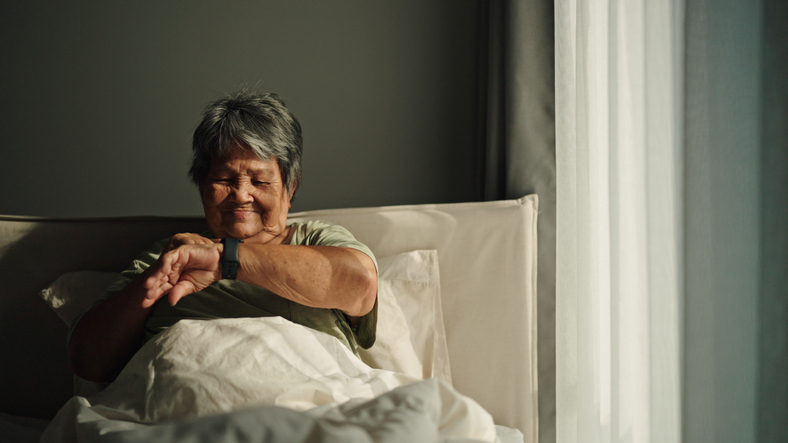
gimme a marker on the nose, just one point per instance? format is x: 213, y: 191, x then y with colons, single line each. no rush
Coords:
x: 242, y: 191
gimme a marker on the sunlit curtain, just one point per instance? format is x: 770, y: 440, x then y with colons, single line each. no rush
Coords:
x: 618, y: 161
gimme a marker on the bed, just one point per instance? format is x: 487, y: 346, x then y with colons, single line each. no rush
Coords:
x: 455, y: 357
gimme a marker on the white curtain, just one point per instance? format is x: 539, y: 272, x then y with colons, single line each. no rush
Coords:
x: 618, y: 241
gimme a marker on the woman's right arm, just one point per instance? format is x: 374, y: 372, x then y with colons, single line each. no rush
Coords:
x: 110, y: 333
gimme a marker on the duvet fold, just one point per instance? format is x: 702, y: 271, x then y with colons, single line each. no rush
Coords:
x: 264, y: 379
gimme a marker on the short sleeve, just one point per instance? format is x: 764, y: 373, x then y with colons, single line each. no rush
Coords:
x: 322, y: 233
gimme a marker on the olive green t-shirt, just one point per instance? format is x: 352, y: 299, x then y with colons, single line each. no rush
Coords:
x: 236, y: 299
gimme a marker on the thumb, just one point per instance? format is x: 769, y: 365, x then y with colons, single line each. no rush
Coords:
x: 180, y: 290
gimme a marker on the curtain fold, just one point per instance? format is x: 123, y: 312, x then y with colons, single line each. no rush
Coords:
x: 517, y: 146
x: 618, y: 126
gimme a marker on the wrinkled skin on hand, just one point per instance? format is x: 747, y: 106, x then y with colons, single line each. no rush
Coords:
x: 187, y: 239
x: 189, y: 267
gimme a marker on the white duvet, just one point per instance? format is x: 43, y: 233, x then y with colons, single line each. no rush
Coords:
x: 264, y: 379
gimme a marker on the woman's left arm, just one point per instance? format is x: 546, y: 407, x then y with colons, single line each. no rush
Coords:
x: 316, y: 276
x: 328, y: 277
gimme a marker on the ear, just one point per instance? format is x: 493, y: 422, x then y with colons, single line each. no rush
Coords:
x: 203, y: 189
x: 292, y: 190
x: 289, y: 193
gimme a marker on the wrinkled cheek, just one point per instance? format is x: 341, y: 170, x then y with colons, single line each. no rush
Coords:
x: 267, y: 221
x: 215, y: 223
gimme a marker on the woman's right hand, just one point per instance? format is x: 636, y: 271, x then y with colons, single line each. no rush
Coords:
x: 183, y: 270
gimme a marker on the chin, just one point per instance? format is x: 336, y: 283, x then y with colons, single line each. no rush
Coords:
x: 243, y: 234
x: 242, y: 230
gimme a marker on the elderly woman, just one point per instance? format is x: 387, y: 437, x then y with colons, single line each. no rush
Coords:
x: 247, y: 166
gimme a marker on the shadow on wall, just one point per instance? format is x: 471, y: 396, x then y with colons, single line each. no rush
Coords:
x: 36, y: 379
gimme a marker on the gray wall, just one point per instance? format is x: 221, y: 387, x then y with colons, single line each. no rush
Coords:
x: 101, y: 99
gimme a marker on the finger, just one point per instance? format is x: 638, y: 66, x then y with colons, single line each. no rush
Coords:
x: 154, y: 281
x: 160, y: 280
x: 155, y: 290
x: 157, y: 284
x: 167, y: 279
x: 148, y: 302
x: 180, y: 290
x: 184, y: 241
x: 200, y: 240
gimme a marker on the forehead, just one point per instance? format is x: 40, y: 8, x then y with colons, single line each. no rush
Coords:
x: 245, y: 162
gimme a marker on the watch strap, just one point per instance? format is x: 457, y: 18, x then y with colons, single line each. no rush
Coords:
x: 230, y: 261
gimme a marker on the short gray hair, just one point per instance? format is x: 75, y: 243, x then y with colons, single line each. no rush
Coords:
x: 255, y: 121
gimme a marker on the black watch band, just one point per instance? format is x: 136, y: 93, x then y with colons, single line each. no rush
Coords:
x: 230, y: 260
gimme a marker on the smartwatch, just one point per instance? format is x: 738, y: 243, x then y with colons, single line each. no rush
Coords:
x: 230, y: 260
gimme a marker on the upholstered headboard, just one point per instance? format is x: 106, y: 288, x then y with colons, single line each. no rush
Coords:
x: 36, y: 379
x: 486, y: 253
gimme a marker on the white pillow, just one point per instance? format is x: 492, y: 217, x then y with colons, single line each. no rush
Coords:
x: 70, y: 296
x: 411, y: 338
x: 488, y: 257
x: 73, y: 292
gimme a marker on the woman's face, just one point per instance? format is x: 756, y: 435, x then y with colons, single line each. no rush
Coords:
x: 244, y: 197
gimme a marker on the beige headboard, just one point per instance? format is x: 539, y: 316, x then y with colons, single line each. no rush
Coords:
x: 36, y: 379
x: 487, y: 257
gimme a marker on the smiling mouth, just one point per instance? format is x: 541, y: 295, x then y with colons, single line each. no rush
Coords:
x: 241, y: 213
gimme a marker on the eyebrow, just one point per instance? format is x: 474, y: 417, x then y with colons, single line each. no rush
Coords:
x: 255, y: 171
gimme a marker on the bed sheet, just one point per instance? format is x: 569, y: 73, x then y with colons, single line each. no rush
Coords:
x: 14, y: 429
x: 265, y: 377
